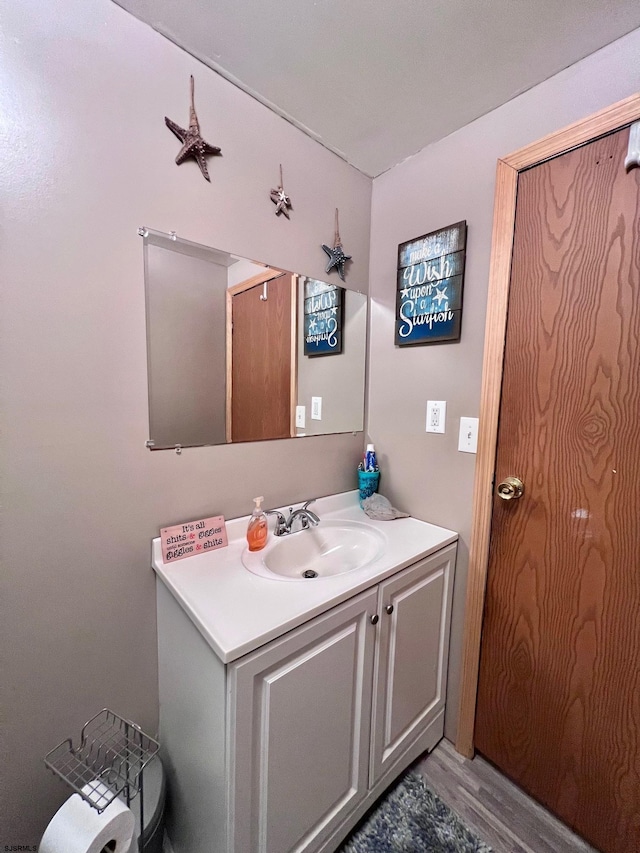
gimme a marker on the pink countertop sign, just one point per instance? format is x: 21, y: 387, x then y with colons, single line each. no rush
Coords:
x: 194, y: 537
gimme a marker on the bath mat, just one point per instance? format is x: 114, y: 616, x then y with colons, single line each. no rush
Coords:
x: 412, y: 819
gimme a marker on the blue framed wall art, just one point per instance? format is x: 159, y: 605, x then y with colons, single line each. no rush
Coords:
x: 323, y: 318
x: 429, y: 287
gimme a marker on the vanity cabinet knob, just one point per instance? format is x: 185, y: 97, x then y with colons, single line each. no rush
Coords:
x: 375, y: 619
x: 389, y: 608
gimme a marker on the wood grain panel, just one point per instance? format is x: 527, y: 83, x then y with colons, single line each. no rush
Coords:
x: 605, y: 121
x: 559, y: 690
x: 261, y: 362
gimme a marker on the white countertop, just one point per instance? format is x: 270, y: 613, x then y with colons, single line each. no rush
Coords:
x: 237, y: 611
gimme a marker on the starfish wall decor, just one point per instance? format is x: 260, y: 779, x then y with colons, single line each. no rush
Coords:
x: 193, y: 143
x: 280, y: 198
x: 337, y: 257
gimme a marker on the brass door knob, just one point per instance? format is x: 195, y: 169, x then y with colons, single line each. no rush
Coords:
x: 511, y: 488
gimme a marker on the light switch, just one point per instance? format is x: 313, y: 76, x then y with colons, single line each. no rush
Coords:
x: 436, y: 414
x: 316, y: 408
x: 301, y: 416
x: 468, y: 438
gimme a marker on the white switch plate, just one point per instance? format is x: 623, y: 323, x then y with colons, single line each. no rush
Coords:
x: 436, y: 415
x: 301, y: 416
x: 468, y: 438
x: 316, y: 408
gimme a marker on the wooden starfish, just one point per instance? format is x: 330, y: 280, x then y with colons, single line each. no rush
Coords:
x: 280, y: 198
x: 337, y: 257
x: 193, y: 143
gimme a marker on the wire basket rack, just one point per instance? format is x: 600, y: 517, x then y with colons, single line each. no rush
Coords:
x: 108, y: 761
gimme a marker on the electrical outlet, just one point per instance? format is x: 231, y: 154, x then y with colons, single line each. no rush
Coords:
x: 468, y: 437
x: 316, y: 408
x: 301, y: 416
x: 436, y: 415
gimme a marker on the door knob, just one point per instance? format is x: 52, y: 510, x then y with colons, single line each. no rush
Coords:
x: 510, y: 489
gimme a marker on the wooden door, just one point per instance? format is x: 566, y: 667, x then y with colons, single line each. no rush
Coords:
x: 559, y: 691
x: 300, y: 728
x: 411, y: 664
x: 263, y: 361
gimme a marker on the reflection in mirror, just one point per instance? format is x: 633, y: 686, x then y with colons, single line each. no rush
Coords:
x: 240, y: 351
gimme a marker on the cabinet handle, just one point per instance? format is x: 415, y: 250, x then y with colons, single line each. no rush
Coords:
x: 389, y: 609
x: 374, y: 619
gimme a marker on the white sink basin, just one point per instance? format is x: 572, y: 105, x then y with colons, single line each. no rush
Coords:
x: 332, y: 548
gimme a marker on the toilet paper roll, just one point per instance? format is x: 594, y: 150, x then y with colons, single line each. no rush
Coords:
x: 78, y: 828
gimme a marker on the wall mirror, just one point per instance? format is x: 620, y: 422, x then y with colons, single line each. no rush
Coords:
x: 241, y: 351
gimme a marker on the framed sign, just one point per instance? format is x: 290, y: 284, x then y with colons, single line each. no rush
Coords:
x: 194, y: 537
x: 323, y: 318
x: 429, y: 287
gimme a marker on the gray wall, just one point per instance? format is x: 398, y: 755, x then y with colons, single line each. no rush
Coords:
x: 186, y: 300
x: 85, y: 159
x: 446, y: 182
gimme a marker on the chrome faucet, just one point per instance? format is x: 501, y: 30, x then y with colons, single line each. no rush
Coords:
x: 284, y: 526
x: 307, y: 517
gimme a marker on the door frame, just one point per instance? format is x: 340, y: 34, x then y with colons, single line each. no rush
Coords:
x: 612, y: 118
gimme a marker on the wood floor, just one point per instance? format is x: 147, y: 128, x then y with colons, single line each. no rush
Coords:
x: 498, y: 811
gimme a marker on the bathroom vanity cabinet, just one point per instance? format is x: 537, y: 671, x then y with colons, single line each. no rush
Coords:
x: 285, y: 748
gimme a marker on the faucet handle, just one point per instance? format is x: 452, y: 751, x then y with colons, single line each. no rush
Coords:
x: 308, y: 515
x: 281, y: 521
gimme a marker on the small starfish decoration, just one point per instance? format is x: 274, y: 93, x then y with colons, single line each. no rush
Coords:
x: 441, y: 295
x: 337, y: 257
x: 281, y: 199
x: 193, y: 143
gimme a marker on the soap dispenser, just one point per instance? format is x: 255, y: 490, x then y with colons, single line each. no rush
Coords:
x: 257, y: 531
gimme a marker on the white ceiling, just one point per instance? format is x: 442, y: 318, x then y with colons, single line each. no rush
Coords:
x: 377, y: 80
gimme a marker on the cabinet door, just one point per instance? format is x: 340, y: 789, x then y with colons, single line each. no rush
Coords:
x: 411, y: 657
x: 300, y: 731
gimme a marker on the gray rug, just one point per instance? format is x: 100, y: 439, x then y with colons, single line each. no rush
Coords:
x: 412, y: 819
